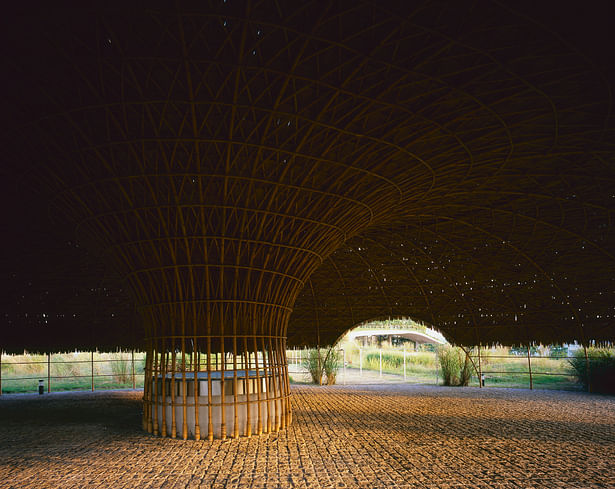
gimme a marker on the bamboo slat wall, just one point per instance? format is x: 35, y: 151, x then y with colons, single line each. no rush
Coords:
x: 257, y: 171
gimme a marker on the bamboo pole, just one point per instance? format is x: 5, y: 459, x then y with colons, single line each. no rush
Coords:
x: 210, y: 425
x: 222, y: 390
x: 589, y: 386
x: 481, y: 382
x: 0, y: 371
x: 92, y: 369
x: 48, y: 373
x: 274, y: 386
x: 380, y: 363
x: 173, y: 392
x: 184, y: 388
x: 235, y: 387
x: 404, y: 351
x: 132, y: 358
x: 289, y: 410
x: 163, y: 388
x: 196, y: 368
x: 147, y: 389
x: 529, y: 366
x: 361, y: 361
x: 268, y: 423
x: 283, y: 375
x: 259, y: 420
x: 155, y: 397
x: 247, y: 387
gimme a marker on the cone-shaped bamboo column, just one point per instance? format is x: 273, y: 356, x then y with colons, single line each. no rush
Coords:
x: 215, y: 284
x: 215, y: 214
x: 214, y: 274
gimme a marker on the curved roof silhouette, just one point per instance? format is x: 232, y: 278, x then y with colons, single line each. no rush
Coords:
x: 337, y: 162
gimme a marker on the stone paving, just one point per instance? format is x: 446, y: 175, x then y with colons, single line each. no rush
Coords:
x: 367, y: 436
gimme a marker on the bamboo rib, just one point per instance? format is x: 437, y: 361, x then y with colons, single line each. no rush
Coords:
x: 173, y: 393
x: 163, y: 389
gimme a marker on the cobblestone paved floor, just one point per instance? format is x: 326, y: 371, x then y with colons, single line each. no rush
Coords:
x: 345, y: 436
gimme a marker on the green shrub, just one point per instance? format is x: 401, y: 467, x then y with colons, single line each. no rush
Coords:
x: 598, y: 373
x: 331, y: 365
x: 456, y: 366
x: 313, y: 364
x: 322, y: 363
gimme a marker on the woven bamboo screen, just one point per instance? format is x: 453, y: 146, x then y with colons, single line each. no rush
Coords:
x: 257, y: 171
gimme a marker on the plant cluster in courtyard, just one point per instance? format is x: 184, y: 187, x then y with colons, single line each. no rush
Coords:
x: 322, y: 365
x: 456, y: 366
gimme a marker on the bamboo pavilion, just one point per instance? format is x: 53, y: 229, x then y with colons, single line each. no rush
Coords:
x: 255, y: 175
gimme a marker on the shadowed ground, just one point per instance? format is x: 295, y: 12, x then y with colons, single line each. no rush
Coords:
x: 345, y: 436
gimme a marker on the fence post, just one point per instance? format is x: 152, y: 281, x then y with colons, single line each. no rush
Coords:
x: 360, y: 362
x: 481, y: 381
x: 529, y: 366
x: 132, y: 358
x: 589, y: 386
x: 48, y: 373
x: 437, y: 367
x: 344, y: 360
x: 404, y: 362
x: 380, y: 362
x: 92, y: 357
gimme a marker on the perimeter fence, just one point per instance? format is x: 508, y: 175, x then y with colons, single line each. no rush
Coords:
x: 492, y: 368
x: 71, y: 371
x: 121, y: 370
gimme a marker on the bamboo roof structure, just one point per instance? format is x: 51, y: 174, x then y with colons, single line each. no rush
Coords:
x: 296, y: 168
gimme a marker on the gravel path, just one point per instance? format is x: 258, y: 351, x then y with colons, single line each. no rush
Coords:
x: 367, y: 436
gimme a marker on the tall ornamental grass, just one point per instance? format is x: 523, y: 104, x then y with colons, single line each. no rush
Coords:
x: 456, y: 366
x: 322, y: 365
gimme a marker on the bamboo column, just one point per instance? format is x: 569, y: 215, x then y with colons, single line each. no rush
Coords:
x: 163, y: 390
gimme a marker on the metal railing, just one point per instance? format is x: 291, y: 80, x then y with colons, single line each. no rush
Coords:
x: 493, y: 370
x: 20, y: 374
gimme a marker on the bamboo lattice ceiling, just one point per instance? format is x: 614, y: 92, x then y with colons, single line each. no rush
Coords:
x: 340, y: 161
